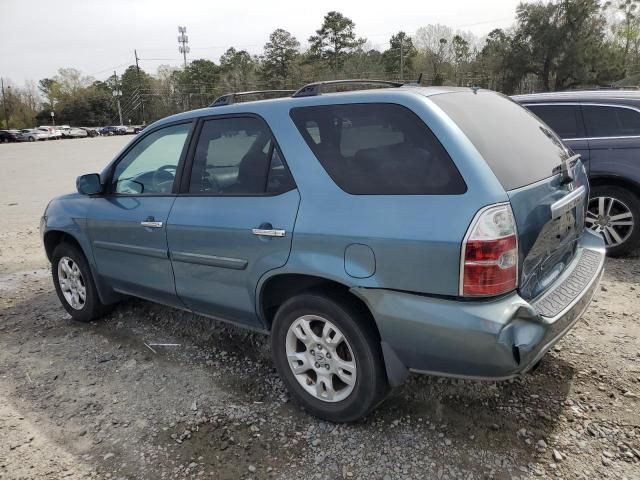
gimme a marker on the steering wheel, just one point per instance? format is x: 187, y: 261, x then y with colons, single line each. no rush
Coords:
x: 163, y: 175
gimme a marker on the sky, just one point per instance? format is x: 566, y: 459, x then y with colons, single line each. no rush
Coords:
x: 97, y: 36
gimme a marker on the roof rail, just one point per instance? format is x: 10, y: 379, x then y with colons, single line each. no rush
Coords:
x: 313, y: 89
x: 230, y: 98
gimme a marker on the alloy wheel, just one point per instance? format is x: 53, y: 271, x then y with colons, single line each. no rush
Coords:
x: 321, y: 358
x: 71, y: 283
x: 611, y: 218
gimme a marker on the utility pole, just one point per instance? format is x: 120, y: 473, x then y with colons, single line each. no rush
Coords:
x: 117, y: 93
x: 401, y: 59
x: 4, y: 105
x: 139, y: 85
x: 183, y: 39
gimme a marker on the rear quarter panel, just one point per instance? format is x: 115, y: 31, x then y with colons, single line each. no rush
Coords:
x: 416, y: 239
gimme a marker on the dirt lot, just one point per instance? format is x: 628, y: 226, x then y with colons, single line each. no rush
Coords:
x: 94, y: 401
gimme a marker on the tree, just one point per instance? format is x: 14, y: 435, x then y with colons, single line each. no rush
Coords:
x: 198, y: 81
x: 565, y: 41
x: 238, y: 68
x: 51, y: 91
x: 461, y: 54
x: 335, y: 40
x: 399, y: 58
x: 280, y: 55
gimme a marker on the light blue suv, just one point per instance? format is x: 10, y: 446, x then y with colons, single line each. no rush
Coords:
x: 371, y: 233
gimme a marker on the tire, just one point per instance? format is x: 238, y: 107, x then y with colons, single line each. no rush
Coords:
x: 83, y: 311
x: 31, y: 139
x: 359, y: 352
x: 626, y: 207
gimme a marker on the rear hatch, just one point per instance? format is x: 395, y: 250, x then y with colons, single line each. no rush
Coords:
x: 546, y: 184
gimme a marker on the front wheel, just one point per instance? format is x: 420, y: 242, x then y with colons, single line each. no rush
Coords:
x: 614, y: 213
x: 74, y: 284
x: 328, y: 355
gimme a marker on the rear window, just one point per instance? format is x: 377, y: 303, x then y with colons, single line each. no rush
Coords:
x: 611, y: 121
x: 518, y: 147
x: 378, y: 149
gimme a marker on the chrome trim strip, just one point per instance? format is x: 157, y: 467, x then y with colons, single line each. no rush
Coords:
x: 568, y: 202
x: 151, y: 224
x: 209, y: 260
x: 133, y: 249
x: 268, y: 232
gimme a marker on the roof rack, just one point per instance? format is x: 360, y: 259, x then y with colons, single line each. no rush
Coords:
x: 313, y: 89
x: 230, y: 98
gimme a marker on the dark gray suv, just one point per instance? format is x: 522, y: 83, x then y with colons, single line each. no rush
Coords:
x: 603, y: 126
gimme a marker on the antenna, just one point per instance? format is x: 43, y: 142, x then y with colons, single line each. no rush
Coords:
x: 183, y: 39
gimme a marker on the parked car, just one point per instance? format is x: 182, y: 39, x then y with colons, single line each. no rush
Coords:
x: 603, y: 126
x: 74, y: 132
x: 53, y: 133
x: 7, y: 136
x: 91, y: 132
x: 138, y: 128
x: 111, y: 131
x: 371, y: 233
x: 32, y: 135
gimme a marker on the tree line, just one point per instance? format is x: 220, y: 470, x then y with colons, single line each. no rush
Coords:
x: 564, y: 44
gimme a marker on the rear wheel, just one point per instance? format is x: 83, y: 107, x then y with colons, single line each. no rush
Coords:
x: 328, y: 356
x: 74, y: 284
x: 614, y: 213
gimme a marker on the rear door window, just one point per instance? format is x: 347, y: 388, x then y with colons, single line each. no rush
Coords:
x: 237, y: 156
x: 565, y: 120
x: 604, y: 121
x: 378, y: 149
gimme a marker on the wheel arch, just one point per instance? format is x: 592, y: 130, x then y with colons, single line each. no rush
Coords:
x: 52, y: 238
x: 617, y: 181
x: 278, y: 288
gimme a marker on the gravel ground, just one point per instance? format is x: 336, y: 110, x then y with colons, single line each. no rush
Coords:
x: 95, y: 400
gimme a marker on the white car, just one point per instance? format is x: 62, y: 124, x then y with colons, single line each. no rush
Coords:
x: 52, y: 132
x: 32, y: 135
x: 75, y: 132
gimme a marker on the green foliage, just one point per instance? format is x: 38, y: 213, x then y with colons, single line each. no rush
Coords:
x: 334, y: 41
x: 398, y: 59
x: 560, y: 44
x: 279, y: 59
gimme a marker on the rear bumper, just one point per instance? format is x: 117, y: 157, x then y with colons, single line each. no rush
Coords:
x: 494, y: 339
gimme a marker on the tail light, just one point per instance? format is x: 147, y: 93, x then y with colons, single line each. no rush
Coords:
x: 489, y: 263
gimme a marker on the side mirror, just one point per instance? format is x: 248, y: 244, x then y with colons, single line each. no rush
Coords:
x: 89, y: 184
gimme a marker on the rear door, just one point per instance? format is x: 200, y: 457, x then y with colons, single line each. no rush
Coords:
x: 234, y: 219
x: 614, y: 138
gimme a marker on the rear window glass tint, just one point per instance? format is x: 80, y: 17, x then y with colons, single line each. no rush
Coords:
x: 378, y: 149
x: 611, y: 121
x: 565, y: 120
x: 519, y: 148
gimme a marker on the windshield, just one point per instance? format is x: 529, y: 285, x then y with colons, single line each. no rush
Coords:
x: 518, y: 147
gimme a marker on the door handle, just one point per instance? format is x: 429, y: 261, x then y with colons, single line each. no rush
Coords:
x: 268, y: 232
x: 150, y: 222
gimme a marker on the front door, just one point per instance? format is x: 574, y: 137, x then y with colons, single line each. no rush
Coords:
x: 236, y: 220
x: 127, y: 225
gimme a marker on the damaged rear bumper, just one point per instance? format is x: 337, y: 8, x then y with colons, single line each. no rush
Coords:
x: 491, y: 339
